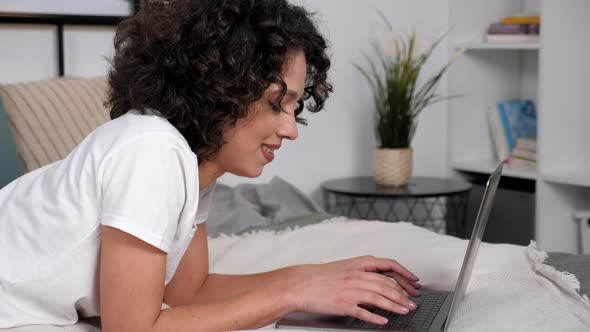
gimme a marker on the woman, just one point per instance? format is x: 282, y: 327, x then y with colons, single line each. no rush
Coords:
x: 197, y: 89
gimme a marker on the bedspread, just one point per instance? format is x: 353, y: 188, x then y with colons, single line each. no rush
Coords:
x: 510, y: 289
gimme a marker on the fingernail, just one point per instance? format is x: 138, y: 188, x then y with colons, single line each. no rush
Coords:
x: 383, y: 321
x: 412, y: 305
x: 405, y: 293
x: 405, y: 310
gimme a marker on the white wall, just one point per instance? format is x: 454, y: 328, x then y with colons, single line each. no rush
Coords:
x: 29, y: 52
x: 338, y: 142
x: 89, y: 7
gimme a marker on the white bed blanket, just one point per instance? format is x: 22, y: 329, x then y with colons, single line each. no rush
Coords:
x: 510, y: 290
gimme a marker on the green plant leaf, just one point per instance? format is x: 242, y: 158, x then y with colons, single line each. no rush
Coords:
x: 397, y: 94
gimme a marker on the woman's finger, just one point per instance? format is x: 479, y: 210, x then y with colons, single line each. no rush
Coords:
x: 369, y: 298
x: 410, y: 287
x: 376, y: 264
x: 381, y: 277
x: 383, y: 287
x: 365, y: 315
x: 397, y: 281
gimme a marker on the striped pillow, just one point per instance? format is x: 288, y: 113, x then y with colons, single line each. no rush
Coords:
x: 48, y: 119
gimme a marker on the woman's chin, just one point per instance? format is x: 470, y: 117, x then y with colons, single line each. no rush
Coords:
x: 249, y: 173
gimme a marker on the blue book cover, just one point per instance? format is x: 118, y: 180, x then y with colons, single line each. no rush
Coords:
x: 519, y: 119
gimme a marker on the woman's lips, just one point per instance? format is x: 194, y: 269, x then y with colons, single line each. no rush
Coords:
x: 268, y: 151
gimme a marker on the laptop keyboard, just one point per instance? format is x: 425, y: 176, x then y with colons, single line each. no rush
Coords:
x: 420, y: 319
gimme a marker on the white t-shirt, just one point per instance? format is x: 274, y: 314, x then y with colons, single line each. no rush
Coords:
x: 136, y: 173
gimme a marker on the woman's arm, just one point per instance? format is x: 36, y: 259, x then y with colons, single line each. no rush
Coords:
x: 221, y: 286
x: 192, y: 284
x: 132, y: 275
x: 132, y: 287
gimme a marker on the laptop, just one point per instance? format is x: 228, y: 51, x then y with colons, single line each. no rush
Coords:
x: 435, y: 309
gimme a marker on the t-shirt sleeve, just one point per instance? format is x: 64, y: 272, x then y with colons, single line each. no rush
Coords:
x: 144, y: 188
x: 205, y: 201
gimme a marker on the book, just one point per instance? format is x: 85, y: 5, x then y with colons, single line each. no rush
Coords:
x: 499, y: 142
x: 526, y: 144
x: 521, y: 163
x: 525, y: 148
x: 512, y: 38
x: 512, y: 127
x: 499, y: 28
x: 524, y: 154
x: 519, y: 120
x: 532, y: 19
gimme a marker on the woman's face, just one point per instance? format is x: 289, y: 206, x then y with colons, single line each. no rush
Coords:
x: 253, y: 141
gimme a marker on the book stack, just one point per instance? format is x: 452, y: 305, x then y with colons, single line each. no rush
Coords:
x: 515, y: 29
x: 524, y: 155
x: 513, y: 130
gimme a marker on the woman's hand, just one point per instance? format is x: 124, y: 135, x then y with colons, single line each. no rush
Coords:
x: 389, y: 267
x: 345, y: 287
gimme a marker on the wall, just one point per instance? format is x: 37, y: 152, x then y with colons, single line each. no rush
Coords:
x: 338, y: 142
x: 29, y: 52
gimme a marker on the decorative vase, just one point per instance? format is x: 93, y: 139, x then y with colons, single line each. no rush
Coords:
x: 392, y: 167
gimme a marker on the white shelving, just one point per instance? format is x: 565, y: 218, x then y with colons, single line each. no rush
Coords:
x: 488, y: 166
x: 554, y: 73
x: 579, y: 179
x: 497, y: 46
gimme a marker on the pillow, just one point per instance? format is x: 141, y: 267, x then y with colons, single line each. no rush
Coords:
x: 11, y: 166
x: 49, y: 118
x: 579, y: 265
x: 246, y: 206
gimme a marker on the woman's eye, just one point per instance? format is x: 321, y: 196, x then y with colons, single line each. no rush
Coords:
x: 275, y: 107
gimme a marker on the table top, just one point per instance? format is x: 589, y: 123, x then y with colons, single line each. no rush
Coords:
x: 418, y: 186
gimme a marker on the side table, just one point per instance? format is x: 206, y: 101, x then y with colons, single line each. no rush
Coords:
x: 438, y: 204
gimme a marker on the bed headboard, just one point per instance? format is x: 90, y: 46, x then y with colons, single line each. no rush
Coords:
x: 42, y: 121
x: 60, y: 21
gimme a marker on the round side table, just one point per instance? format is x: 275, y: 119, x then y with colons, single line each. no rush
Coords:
x: 438, y: 204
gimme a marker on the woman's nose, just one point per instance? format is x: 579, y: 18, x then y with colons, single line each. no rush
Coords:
x: 288, y: 127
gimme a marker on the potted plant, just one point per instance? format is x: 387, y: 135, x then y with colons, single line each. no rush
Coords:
x: 399, y: 99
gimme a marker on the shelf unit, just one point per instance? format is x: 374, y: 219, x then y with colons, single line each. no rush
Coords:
x: 497, y: 46
x: 554, y: 73
x: 488, y: 166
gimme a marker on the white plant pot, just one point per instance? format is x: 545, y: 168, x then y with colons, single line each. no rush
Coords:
x: 392, y: 167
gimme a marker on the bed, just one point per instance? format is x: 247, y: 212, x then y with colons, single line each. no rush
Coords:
x: 252, y: 229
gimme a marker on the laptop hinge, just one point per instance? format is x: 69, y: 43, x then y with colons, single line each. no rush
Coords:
x: 444, y: 324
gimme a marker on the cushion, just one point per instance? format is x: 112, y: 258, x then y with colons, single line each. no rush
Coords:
x: 49, y: 118
x: 578, y: 265
x: 248, y: 205
x: 11, y: 165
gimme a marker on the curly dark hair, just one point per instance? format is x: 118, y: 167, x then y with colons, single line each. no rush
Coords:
x: 201, y: 63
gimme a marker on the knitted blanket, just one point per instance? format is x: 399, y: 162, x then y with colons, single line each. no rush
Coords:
x: 511, y: 289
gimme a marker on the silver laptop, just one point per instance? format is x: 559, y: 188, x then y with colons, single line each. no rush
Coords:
x: 435, y: 308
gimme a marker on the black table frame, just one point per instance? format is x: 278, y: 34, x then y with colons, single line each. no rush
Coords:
x: 452, y: 206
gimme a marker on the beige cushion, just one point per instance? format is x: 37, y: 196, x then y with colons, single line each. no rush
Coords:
x: 49, y: 118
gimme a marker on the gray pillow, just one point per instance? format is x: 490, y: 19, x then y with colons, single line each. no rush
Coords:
x: 11, y: 166
x: 579, y: 265
x: 251, y: 205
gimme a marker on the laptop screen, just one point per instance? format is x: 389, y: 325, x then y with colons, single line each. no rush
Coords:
x: 475, y: 241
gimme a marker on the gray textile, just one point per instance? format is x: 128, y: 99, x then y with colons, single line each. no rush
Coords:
x: 578, y: 265
x: 250, y: 205
x: 11, y: 166
x: 306, y: 220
